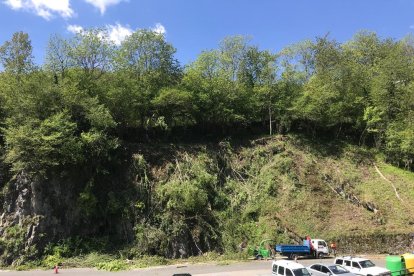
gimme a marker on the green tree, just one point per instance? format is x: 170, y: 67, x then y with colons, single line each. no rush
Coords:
x: 16, y: 55
x: 259, y: 73
x: 221, y: 82
x: 58, y: 58
x: 37, y: 146
x: 334, y: 95
x: 91, y: 52
x: 175, y: 105
x: 145, y: 64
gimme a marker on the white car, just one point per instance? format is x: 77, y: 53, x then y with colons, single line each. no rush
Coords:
x: 328, y: 270
x: 361, y: 266
x: 288, y: 268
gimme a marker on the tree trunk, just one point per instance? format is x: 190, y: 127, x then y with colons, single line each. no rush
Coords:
x: 270, y: 121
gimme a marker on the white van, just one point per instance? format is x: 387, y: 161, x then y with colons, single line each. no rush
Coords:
x: 362, y: 266
x: 288, y: 268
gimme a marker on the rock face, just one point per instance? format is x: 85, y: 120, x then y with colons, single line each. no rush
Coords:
x: 39, y: 211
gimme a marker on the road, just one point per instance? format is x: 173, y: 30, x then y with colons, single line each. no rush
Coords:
x: 251, y: 268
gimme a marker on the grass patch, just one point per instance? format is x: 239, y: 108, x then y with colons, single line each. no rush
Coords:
x: 114, y: 265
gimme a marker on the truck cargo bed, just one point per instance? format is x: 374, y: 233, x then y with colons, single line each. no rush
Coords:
x: 292, y: 248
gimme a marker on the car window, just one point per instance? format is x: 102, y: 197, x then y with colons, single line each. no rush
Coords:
x: 337, y: 269
x: 281, y: 270
x: 316, y: 267
x: 325, y: 269
x: 348, y: 263
x: 288, y: 272
x: 355, y: 264
x: 274, y: 268
x: 301, y: 272
x: 366, y: 264
x: 322, y: 243
x: 338, y: 261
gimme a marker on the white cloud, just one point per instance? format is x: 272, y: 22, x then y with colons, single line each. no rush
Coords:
x: 102, y: 4
x: 44, y: 8
x: 14, y: 4
x: 159, y: 28
x: 74, y: 29
x: 117, y: 33
x: 114, y: 33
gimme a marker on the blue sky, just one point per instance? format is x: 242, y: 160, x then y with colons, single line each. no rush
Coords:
x: 196, y: 25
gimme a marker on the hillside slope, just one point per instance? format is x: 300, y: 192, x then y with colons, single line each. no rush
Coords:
x: 179, y: 200
x: 286, y: 187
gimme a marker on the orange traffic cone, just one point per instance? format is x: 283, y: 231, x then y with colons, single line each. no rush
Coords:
x: 56, y: 269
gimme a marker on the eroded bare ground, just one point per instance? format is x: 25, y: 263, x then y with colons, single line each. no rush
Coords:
x: 250, y: 268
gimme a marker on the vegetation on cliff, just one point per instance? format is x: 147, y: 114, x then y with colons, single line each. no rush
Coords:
x: 109, y: 145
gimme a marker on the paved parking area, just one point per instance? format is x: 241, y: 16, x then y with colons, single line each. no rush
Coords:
x: 250, y: 268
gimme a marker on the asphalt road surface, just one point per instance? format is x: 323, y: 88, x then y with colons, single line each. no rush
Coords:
x: 251, y: 268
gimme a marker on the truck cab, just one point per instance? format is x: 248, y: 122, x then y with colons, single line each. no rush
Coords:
x: 321, y: 248
x: 362, y: 266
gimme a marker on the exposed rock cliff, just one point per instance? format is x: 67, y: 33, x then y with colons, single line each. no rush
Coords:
x: 38, y: 211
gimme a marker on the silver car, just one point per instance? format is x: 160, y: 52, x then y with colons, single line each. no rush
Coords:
x: 328, y: 270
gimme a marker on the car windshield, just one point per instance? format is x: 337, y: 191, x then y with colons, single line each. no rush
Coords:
x: 366, y: 264
x: 301, y: 272
x: 337, y: 269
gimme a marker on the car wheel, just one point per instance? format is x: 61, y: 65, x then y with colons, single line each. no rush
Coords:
x: 320, y: 255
